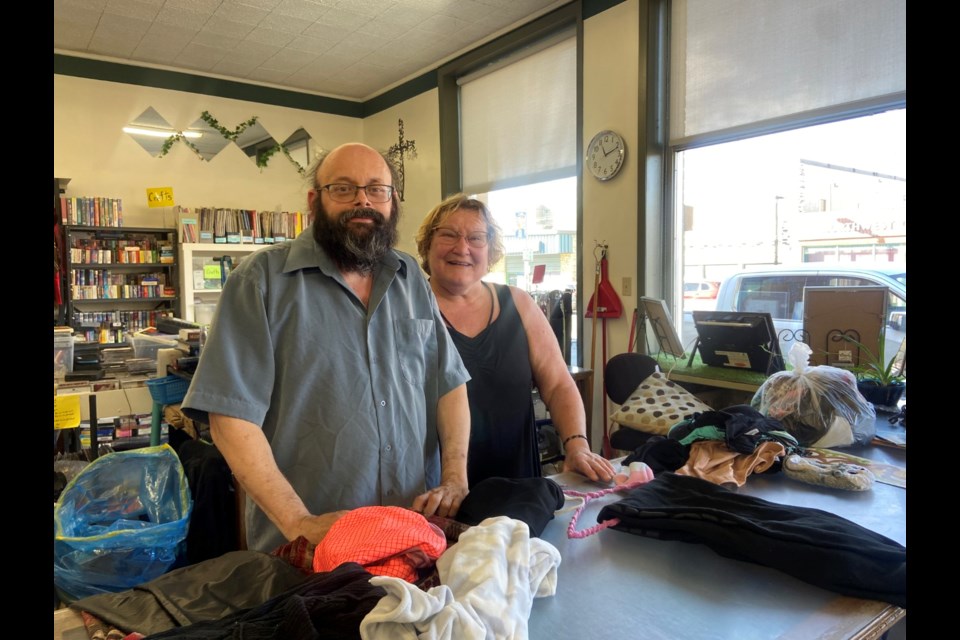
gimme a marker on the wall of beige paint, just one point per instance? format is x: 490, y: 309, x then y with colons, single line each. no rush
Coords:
x: 611, y: 48
x: 421, y: 123
x: 90, y: 148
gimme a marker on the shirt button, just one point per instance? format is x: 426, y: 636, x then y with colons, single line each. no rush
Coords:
x: 383, y: 403
x: 389, y: 447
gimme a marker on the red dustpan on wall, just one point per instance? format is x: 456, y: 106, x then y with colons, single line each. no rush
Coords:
x: 605, y: 303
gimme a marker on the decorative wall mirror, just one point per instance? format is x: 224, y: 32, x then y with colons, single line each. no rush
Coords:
x: 211, y: 141
x: 299, y: 148
x: 150, y: 131
x: 257, y: 143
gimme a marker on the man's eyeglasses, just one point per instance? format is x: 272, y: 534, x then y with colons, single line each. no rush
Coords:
x: 342, y: 192
x: 477, y: 239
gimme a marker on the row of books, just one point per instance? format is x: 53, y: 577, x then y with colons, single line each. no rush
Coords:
x: 120, y: 254
x: 240, y: 226
x: 119, y: 292
x: 103, y: 277
x: 98, y: 326
x: 92, y: 211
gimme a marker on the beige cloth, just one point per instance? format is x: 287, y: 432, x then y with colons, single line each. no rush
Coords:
x: 713, y: 460
x: 176, y: 419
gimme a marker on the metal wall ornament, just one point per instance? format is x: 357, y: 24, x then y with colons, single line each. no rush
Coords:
x: 397, y: 153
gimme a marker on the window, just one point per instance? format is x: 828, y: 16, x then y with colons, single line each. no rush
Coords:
x: 512, y: 113
x: 764, y: 203
x: 787, y: 143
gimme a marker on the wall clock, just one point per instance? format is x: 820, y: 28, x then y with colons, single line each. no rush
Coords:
x: 605, y: 155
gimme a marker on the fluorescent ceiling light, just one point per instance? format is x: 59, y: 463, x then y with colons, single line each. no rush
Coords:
x: 160, y: 133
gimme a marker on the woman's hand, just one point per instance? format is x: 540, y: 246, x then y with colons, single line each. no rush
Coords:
x: 580, y: 459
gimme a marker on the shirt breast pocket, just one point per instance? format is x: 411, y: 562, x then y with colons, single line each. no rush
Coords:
x: 414, y: 338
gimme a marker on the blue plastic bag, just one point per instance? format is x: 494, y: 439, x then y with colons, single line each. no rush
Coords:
x: 120, y: 522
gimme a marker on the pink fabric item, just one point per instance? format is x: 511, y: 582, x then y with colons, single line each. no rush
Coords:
x: 386, y: 541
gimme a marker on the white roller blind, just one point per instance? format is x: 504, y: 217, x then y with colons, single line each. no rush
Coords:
x: 518, y: 122
x: 739, y: 62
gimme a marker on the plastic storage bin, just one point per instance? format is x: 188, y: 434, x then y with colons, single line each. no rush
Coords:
x: 147, y: 346
x: 62, y: 354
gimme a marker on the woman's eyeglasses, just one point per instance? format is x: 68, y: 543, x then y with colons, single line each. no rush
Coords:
x: 476, y: 239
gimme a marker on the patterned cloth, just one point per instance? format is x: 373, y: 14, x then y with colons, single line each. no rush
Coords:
x: 386, y: 541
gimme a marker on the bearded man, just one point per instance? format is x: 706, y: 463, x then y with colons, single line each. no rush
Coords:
x: 329, y: 380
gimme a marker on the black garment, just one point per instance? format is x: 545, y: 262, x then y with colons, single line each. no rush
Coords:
x: 660, y: 454
x: 744, y: 428
x: 503, y: 433
x: 530, y: 500
x: 815, y: 546
x: 207, y: 590
x: 213, y: 527
x: 328, y: 606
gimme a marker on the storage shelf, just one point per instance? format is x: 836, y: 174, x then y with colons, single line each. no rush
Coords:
x: 132, y: 313
x: 193, y: 251
x: 115, y: 266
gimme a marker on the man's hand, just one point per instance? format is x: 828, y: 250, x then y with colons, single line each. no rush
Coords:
x: 314, y: 528
x: 443, y: 500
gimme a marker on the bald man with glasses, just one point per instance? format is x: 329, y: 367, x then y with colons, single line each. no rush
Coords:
x: 329, y: 380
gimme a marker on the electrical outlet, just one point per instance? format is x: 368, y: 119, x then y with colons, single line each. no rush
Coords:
x: 627, y: 286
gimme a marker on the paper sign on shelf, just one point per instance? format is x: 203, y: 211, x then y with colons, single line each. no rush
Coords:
x: 66, y: 411
x: 160, y: 197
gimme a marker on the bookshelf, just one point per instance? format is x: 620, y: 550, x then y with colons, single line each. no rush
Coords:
x: 202, y: 264
x: 119, y: 279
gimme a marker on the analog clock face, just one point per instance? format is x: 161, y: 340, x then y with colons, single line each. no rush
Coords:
x: 605, y: 155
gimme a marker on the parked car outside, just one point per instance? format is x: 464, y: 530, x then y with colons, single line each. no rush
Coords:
x: 700, y: 295
x: 699, y: 289
x: 779, y: 291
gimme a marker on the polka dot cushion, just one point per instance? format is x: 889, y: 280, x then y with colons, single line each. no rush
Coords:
x: 656, y: 405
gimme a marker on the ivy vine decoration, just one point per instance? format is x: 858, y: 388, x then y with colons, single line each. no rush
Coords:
x: 263, y: 157
x: 178, y: 137
x: 226, y: 133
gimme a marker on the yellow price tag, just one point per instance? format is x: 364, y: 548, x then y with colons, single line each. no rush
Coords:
x: 66, y: 411
x: 160, y: 197
x: 211, y: 272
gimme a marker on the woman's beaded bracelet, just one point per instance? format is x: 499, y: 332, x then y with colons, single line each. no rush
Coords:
x: 574, y: 436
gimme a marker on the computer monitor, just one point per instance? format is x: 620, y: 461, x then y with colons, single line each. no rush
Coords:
x: 738, y: 340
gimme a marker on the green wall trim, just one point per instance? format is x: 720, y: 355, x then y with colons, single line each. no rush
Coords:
x: 409, y: 89
x: 176, y: 81
x: 594, y: 7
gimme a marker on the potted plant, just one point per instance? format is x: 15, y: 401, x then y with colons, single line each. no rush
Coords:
x: 879, y: 380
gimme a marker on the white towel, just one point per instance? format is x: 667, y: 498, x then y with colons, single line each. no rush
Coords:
x: 489, y: 579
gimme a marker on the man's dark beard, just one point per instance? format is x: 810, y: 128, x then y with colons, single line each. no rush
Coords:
x: 355, y: 248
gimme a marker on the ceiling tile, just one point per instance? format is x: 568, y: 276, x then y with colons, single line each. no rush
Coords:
x: 303, y: 9
x: 270, y: 36
x: 289, y: 24
x: 287, y: 61
x: 111, y: 46
x: 74, y: 14
x: 71, y: 36
x: 253, y: 53
x: 180, y: 17
x: 310, y: 44
x: 199, y: 57
x: 243, y: 13
x: 345, y: 48
x: 343, y: 19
